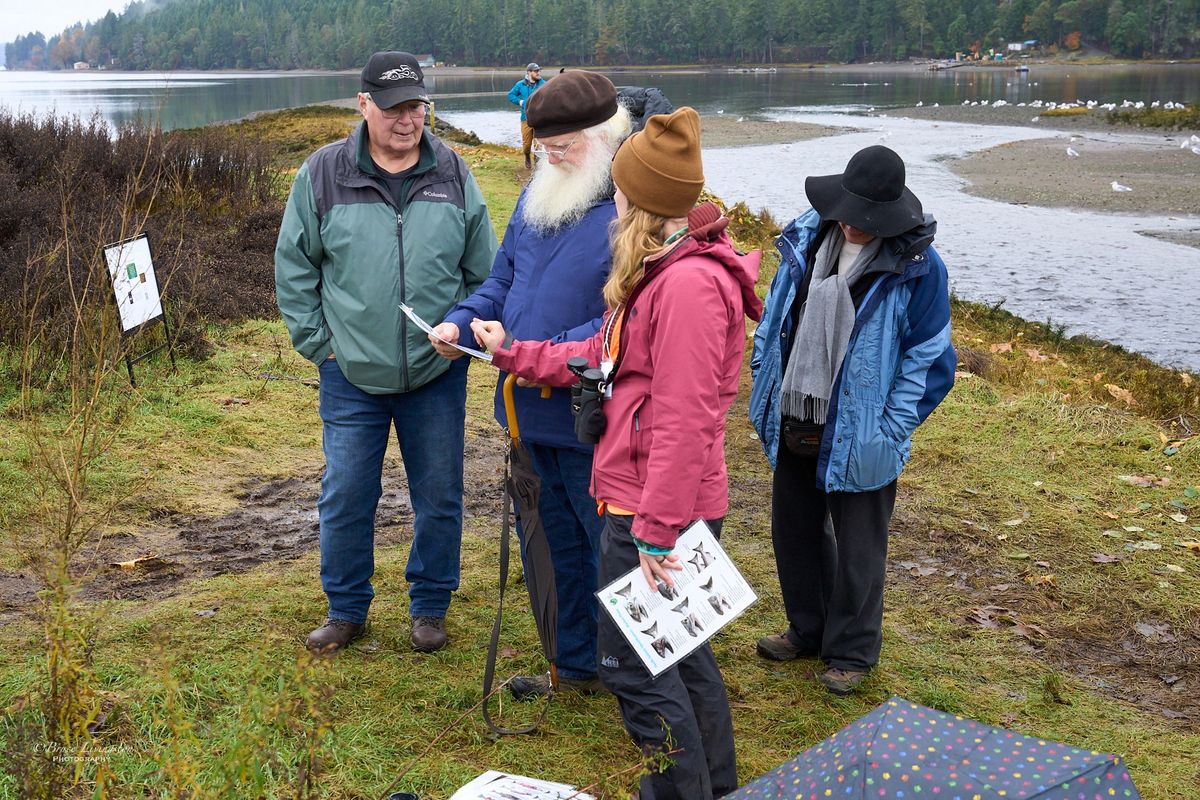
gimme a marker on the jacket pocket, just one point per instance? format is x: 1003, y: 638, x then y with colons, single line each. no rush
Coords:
x: 640, y: 439
x: 875, y: 460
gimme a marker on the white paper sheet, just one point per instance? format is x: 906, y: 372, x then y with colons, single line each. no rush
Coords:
x: 666, y: 625
x: 131, y: 270
x: 493, y: 785
x: 423, y: 325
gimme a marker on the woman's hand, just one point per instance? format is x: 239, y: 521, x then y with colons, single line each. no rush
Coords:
x: 655, y: 568
x: 488, y: 333
x: 446, y: 332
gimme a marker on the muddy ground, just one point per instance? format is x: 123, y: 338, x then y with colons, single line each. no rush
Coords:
x: 277, y: 522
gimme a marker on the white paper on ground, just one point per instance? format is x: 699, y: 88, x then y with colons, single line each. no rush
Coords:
x: 493, y: 785
x: 664, y: 626
x: 423, y: 325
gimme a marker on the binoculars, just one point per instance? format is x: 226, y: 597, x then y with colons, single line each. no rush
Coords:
x: 587, y: 398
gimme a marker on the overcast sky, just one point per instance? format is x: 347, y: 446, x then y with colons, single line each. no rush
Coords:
x: 19, y: 17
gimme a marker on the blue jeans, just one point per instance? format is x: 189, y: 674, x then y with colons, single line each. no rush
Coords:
x: 573, y: 531
x: 429, y: 427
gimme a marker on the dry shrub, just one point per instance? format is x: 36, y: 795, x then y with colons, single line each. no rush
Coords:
x: 207, y: 199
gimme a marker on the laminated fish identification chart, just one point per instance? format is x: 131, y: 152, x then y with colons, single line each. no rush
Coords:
x: 664, y: 625
x: 134, y: 285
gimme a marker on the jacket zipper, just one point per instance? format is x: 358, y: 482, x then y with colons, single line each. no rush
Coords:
x: 403, y: 318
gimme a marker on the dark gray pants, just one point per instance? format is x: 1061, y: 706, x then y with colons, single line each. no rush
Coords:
x: 687, y: 703
x: 831, y: 554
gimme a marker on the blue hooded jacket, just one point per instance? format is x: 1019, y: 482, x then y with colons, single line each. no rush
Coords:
x: 899, y: 363
x: 545, y: 287
x: 521, y: 91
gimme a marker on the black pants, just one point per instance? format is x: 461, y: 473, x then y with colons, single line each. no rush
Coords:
x: 831, y: 554
x: 687, y: 702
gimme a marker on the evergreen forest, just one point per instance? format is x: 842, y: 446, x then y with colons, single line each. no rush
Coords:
x: 340, y: 34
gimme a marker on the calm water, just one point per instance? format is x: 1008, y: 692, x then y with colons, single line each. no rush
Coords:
x: 190, y: 99
x: 1094, y: 272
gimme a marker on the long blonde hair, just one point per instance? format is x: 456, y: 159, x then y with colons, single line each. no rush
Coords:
x: 635, y: 236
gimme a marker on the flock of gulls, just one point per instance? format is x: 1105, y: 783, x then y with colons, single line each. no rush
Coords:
x: 1187, y: 143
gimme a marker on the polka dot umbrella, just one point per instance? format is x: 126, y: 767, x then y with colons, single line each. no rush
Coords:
x: 905, y: 751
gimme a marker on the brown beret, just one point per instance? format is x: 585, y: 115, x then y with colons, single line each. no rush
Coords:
x: 659, y: 168
x: 572, y: 101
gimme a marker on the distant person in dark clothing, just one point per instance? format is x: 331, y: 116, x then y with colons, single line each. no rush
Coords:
x: 518, y: 95
x: 643, y: 103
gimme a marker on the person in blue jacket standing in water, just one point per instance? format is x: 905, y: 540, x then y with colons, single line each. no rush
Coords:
x: 519, y: 95
x: 546, y: 283
x: 852, y: 354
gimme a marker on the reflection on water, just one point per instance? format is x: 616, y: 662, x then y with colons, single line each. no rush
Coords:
x: 1091, y: 271
x: 190, y: 99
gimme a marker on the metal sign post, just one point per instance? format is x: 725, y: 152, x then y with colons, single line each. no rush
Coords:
x: 135, y: 289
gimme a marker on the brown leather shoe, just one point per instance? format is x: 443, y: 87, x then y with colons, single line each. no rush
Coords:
x: 428, y: 634
x: 333, y: 635
x: 842, y: 681
x: 779, y: 647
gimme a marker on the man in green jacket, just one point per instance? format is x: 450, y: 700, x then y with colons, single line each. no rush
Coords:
x: 388, y: 215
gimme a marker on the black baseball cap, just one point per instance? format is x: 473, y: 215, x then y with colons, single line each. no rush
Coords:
x: 392, y: 78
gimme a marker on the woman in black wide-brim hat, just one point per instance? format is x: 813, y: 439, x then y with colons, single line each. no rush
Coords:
x: 853, y: 352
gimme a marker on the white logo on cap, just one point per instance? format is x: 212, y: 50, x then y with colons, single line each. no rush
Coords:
x: 399, y: 74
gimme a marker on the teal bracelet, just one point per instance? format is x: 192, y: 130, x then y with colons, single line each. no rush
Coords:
x: 651, y: 549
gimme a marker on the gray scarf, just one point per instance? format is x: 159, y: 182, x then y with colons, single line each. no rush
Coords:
x: 826, y: 320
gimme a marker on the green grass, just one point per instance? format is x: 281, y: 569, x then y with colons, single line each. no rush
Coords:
x: 1032, y: 439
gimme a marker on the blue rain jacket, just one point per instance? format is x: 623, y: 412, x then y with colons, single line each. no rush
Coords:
x: 898, y: 367
x: 521, y: 91
x: 544, y: 287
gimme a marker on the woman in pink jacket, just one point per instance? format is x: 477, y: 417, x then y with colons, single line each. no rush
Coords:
x: 675, y: 335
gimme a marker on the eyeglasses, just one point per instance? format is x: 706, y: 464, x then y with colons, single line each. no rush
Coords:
x: 541, y: 150
x: 412, y: 112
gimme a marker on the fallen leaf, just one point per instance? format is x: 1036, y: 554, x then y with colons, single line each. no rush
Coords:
x: 1146, y: 545
x: 1190, y: 544
x: 1012, y: 523
x: 1144, y: 481
x: 1042, y: 564
x: 1112, y: 515
x: 958, y: 376
x: 1173, y: 568
x: 1124, y: 395
x: 206, y: 613
x: 1169, y: 714
x: 1019, y: 556
x: 1169, y: 679
x: 1035, y: 354
x: 1104, y: 558
x: 1002, y: 347
x: 141, y: 561
x: 1170, y: 451
x: 1187, y: 379
x: 1190, y: 492
x: 507, y: 651
x: 235, y: 401
x: 1133, y: 529
x: 1032, y: 632
x: 1040, y: 580
x: 1178, y: 517
x: 1000, y: 587
x: 1000, y: 537
x: 1112, y: 534
x: 1155, y: 633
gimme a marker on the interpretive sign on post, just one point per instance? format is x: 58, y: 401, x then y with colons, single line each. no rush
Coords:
x: 135, y: 288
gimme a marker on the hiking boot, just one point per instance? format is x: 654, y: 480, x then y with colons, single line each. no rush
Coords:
x: 428, y: 634
x: 333, y: 635
x: 842, y: 681
x: 779, y: 647
x: 531, y: 687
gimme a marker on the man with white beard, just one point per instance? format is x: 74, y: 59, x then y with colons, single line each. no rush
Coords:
x: 546, y: 283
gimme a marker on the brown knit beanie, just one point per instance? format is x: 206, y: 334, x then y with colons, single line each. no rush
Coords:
x: 575, y: 100
x: 658, y: 168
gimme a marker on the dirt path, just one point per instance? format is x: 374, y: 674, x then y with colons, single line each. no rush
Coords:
x: 276, y: 522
